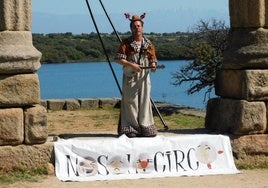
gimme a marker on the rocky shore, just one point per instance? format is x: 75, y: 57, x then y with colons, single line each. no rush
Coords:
x: 87, y: 103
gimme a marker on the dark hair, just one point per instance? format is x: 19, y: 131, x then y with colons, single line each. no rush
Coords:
x: 130, y: 25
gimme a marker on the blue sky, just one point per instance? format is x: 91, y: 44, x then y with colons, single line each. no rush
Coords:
x: 117, y: 6
x: 162, y: 16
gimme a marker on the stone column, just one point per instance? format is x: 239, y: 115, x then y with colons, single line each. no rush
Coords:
x: 242, y: 82
x: 22, y: 119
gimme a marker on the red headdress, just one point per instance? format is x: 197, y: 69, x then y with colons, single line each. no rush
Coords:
x: 135, y: 17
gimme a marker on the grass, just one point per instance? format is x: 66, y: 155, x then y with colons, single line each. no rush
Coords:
x: 22, y: 175
x: 180, y: 121
x: 252, y: 162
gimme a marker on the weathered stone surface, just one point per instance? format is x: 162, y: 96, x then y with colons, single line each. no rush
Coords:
x: 266, y: 14
x: 17, y: 53
x: 11, y: 126
x: 250, y: 145
x: 108, y: 102
x: 247, y: 49
x: 19, y: 90
x: 247, y: 13
x: 71, y: 104
x: 248, y: 57
x: 35, y: 125
x: 238, y: 117
x: 44, y: 103
x: 15, y: 15
x: 26, y: 157
x: 89, y: 103
x: 56, y: 104
x: 251, y: 85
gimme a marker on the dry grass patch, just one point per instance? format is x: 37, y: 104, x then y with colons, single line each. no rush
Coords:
x: 106, y: 120
x: 82, y: 121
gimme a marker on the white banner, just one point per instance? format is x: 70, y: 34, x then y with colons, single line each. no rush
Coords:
x: 133, y: 158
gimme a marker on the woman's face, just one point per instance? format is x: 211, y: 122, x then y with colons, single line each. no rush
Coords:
x: 137, y: 28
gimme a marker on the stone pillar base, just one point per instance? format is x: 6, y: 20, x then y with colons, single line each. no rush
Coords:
x: 11, y: 126
x: 17, y: 53
x: 35, y: 125
x: 249, y: 146
x: 26, y: 157
x: 250, y: 85
x: 19, y: 90
x: 23, y: 126
x: 22, y: 119
x: 238, y: 117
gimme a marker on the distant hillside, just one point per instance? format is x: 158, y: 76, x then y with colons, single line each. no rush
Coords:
x: 67, y: 47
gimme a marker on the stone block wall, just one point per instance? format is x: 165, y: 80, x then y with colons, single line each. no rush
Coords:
x: 79, y: 104
x: 22, y: 119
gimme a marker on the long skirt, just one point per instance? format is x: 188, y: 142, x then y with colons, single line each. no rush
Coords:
x: 136, y: 109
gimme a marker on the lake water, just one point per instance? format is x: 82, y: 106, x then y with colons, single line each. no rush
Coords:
x: 95, y: 80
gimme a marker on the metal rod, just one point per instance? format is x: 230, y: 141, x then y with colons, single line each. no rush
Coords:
x: 120, y: 40
x: 111, y: 23
x: 102, y: 44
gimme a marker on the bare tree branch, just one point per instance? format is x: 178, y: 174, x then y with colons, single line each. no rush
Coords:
x: 206, y: 44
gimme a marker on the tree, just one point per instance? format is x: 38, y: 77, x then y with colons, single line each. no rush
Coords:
x: 206, y: 44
